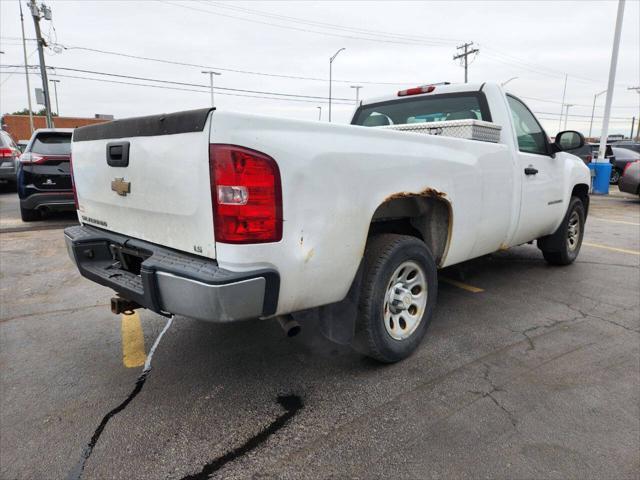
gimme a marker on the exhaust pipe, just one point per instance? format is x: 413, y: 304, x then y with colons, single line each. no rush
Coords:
x: 123, y: 305
x: 289, y: 325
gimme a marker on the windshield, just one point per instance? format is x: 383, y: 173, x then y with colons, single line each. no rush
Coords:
x: 54, y: 143
x: 435, y: 108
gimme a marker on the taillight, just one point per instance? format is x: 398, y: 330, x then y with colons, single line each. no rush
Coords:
x: 32, y: 158
x: 73, y: 184
x: 628, y: 165
x: 589, y: 158
x: 246, y: 195
x: 416, y: 90
x: 6, y: 153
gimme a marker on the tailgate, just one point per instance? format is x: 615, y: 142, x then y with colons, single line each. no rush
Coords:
x: 148, y: 178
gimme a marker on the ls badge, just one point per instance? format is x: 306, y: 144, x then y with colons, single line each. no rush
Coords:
x: 121, y: 187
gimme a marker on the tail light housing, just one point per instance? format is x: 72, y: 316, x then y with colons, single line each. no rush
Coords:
x: 627, y: 166
x: 246, y: 195
x: 6, y: 153
x: 73, y: 184
x: 33, y: 158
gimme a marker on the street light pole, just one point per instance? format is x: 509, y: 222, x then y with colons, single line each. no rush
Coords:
x: 564, y: 94
x: 357, y: 87
x: 593, y: 109
x: 319, y: 113
x: 330, y: 77
x: 512, y: 78
x: 211, y: 73
x: 566, y: 115
x: 55, y: 90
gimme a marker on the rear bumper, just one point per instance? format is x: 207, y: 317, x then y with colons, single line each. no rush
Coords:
x: 173, y: 282
x: 53, y: 200
x: 8, y: 171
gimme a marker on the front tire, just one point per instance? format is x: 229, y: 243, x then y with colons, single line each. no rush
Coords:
x: 398, y: 297
x: 567, y: 240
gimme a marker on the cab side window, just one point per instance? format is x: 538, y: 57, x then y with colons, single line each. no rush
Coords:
x: 531, y: 136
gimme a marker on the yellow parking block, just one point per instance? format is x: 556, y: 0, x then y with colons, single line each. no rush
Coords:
x: 133, y: 351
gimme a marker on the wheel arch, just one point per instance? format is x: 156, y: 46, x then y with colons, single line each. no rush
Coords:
x: 426, y: 215
x: 581, y: 190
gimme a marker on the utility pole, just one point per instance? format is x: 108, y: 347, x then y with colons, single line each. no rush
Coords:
x: 330, y: 69
x: 465, y: 56
x: 566, y: 116
x: 211, y: 73
x: 357, y: 87
x: 35, y: 13
x: 26, y: 68
x: 564, y: 94
x: 593, y: 109
x: 319, y: 113
x: 55, y: 90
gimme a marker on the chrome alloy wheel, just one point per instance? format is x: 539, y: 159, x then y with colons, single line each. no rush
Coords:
x: 573, y: 231
x: 405, y: 300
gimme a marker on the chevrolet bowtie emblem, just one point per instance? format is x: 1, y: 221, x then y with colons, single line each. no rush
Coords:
x: 121, y: 187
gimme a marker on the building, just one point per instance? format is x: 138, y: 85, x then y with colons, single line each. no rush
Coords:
x: 18, y: 125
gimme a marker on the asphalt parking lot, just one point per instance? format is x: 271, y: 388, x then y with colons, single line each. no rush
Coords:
x: 528, y: 371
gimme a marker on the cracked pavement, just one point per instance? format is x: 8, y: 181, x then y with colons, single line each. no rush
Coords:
x: 538, y: 376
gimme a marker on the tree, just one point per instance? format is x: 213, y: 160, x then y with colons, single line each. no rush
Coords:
x: 41, y: 112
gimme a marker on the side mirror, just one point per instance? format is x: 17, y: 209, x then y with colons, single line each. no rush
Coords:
x: 568, y: 140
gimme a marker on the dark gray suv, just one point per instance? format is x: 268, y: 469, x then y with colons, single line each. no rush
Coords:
x: 9, y: 155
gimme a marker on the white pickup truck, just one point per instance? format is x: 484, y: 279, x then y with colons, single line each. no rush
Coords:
x: 225, y: 216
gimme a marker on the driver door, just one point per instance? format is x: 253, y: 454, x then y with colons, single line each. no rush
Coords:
x: 540, y: 172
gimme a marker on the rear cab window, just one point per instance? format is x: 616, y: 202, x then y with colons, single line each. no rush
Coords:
x: 52, y: 143
x: 424, y: 109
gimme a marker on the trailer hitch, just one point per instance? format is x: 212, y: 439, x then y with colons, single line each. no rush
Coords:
x: 123, y: 305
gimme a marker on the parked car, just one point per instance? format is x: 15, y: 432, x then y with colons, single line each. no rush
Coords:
x: 585, y: 152
x: 635, y: 146
x: 224, y: 216
x: 630, y: 179
x: 44, y: 177
x: 621, y: 158
x: 9, y: 155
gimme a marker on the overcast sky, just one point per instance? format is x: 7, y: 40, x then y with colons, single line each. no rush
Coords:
x: 389, y: 45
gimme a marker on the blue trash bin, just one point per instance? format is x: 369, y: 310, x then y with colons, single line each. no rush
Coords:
x: 600, y: 181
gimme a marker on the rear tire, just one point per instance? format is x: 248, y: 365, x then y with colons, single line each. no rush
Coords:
x: 616, y: 173
x: 398, y: 297
x: 29, y: 215
x: 567, y: 240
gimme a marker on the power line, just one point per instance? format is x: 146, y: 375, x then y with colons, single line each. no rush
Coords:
x: 391, y: 37
x: 186, y: 89
x: 416, y: 38
x: 305, y: 30
x: 173, y: 82
x: 234, y: 70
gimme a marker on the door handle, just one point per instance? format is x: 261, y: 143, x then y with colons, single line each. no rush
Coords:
x: 530, y: 170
